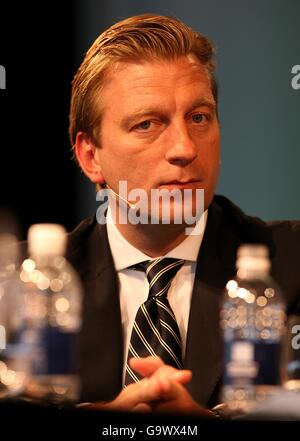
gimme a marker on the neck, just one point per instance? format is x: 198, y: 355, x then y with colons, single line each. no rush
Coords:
x: 153, y: 240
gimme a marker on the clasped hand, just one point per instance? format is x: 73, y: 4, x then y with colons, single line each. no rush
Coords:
x: 161, y: 390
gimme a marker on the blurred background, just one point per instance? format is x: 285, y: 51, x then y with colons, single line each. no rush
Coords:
x: 42, y: 46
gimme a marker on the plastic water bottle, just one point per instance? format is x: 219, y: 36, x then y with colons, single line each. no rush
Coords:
x: 13, y: 360
x: 52, y: 307
x: 253, y: 324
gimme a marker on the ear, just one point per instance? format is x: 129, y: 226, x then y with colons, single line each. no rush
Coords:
x: 86, y: 154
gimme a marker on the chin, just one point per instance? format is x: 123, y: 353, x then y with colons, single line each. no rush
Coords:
x: 177, y: 213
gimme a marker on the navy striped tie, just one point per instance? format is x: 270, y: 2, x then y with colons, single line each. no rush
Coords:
x: 155, y: 330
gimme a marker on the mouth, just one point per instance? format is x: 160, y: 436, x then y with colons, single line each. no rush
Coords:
x: 178, y: 184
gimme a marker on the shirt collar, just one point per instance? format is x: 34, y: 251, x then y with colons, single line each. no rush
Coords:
x: 125, y: 255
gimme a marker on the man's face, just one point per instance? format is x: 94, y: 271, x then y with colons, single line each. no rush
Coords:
x: 159, y: 127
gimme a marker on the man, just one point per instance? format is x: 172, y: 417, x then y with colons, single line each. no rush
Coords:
x: 144, y: 111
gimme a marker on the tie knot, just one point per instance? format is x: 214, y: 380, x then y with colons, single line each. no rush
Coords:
x: 160, y: 273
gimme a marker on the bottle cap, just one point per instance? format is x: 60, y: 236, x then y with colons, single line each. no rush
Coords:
x: 253, y: 257
x: 47, y: 239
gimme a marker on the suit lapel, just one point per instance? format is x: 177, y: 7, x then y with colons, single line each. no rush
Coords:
x: 214, y: 268
x: 101, y: 342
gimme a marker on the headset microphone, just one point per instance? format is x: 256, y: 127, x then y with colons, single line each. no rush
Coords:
x: 130, y: 204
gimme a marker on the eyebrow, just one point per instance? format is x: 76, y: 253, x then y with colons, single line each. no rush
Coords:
x: 127, y: 121
x: 203, y: 102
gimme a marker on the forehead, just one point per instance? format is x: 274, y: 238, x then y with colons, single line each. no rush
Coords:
x: 128, y: 82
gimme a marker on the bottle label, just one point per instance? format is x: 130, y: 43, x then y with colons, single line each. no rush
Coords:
x: 253, y: 362
x: 55, y: 352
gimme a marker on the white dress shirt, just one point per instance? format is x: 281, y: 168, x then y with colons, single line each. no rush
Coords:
x: 134, y: 286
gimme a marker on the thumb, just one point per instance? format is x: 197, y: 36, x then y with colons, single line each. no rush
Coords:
x: 146, y: 366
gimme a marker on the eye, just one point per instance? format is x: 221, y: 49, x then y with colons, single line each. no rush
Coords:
x: 199, y: 118
x: 144, y: 125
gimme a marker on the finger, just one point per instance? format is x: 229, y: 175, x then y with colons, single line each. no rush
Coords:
x: 142, y: 407
x: 84, y: 404
x: 160, y: 384
x: 146, y: 366
x: 146, y: 391
x: 98, y: 405
x: 169, y: 390
x: 181, y: 376
x: 184, y: 376
x: 162, y: 388
x: 133, y: 395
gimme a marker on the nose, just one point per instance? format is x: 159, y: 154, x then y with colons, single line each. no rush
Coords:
x: 182, y: 149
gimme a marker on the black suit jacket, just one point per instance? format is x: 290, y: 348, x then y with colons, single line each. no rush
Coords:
x: 101, y: 341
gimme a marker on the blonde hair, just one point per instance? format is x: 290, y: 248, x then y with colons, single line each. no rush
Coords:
x: 139, y: 38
